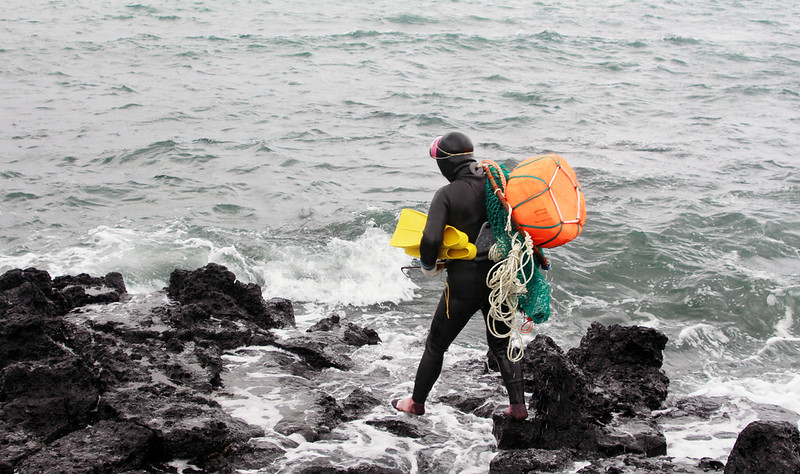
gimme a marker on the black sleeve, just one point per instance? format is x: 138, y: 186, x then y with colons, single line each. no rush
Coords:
x: 432, y: 236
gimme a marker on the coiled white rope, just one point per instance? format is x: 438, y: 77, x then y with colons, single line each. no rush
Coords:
x: 506, y: 286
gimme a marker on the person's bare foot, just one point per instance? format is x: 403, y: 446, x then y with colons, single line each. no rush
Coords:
x: 516, y: 411
x: 409, y: 406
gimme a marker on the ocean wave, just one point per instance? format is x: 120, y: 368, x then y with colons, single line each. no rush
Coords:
x: 411, y: 19
x: 282, y: 143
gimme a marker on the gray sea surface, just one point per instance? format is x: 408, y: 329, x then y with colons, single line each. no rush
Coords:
x: 282, y: 139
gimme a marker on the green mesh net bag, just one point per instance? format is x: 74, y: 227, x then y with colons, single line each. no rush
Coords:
x: 534, y: 301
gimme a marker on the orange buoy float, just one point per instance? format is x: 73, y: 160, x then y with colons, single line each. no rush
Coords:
x: 546, y: 200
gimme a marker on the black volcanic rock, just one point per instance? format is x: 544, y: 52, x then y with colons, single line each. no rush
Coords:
x: 589, y: 399
x: 349, y: 333
x: 329, y: 343
x: 768, y: 447
x: 521, y: 461
x: 97, y: 391
x: 106, y: 446
x: 49, y: 397
x: 358, y: 403
x: 29, y: 290
x: 625, y: 363
x: 214, y: 290
x: 87, y: 386
x: 85, y: 289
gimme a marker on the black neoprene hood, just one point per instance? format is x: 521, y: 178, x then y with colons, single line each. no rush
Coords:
x: 453, y: 143
x: 453, y: 152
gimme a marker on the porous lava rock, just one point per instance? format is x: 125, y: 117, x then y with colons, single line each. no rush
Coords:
x: 92, y: 381
x: 596, y: 398
x: 213, y: 290
x: 624, y: 362
x: 768, y: 447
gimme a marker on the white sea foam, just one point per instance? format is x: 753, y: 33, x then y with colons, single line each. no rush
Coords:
x: 256, y: 409
x: 691, y: 441
x: 335, y: 273
x: 339, y: 273
x: 745, y: 400
x: 784, y: 326
x: 144, y: 258
x: 703, y: 336
x: 452, y: 441
x: 774, y: 388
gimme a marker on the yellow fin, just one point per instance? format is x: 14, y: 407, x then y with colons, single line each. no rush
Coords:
x: 454, y: 238
x: 408, y: 234
x: 466, y: 253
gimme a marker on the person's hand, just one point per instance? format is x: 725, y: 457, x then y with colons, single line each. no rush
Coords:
x: 437, y: 269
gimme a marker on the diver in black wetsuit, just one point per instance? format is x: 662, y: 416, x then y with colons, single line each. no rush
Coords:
x: 461, y: 204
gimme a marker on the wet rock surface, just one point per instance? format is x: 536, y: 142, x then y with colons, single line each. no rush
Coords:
x: 766, y: 446
x: 603, y: 404
x: 90, y: 384
x: 596, y: 398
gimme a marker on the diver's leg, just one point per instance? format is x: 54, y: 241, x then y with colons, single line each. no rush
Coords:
x: 444, y: 330
x: 510, y: 371
x: 460, y: 300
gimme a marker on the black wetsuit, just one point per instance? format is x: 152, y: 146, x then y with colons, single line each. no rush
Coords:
x: 461, y: 204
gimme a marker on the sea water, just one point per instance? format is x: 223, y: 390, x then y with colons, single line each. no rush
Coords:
x: 282, y: 138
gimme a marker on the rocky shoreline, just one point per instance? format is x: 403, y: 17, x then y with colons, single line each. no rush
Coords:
x: 86, y: 386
